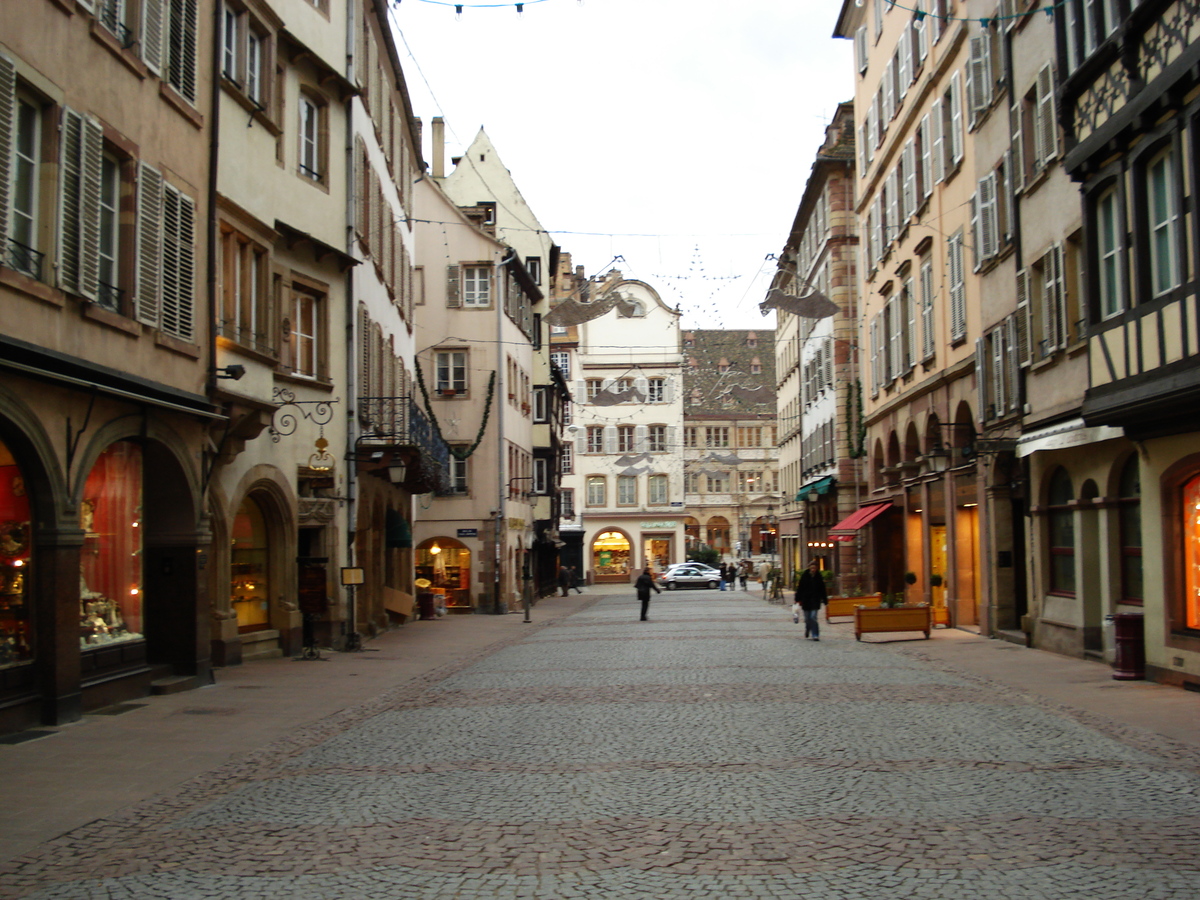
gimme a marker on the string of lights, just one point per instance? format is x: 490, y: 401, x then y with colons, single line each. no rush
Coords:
x: 919, y: 13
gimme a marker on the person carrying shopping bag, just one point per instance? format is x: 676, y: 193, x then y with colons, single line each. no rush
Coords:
x: 811, y: 596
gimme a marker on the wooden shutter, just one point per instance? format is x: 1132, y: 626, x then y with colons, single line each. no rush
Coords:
x: 453, y: 296
x: 982, y: 371
x: 1024, y: 333
x: 956, y: 120
x: 1013, y: 361
x: 81, y: 153
x: 610, y: 438
x: 149, y: 244
x: 8, y: 113
x: 1017, y: 169
x: 936, y: 117
x: 177, y: 313
x: 1045, y: 130
x: 640, y: 434
x: 151, y: 38
x: 69, y: 207
x: 910, y: 179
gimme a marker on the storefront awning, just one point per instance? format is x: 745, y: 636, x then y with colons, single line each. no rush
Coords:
x: 1063, y: 436
x: 845, y: 529
x: 820, y: 486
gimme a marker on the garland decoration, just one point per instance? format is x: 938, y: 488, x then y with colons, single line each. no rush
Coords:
x: 457, y: 453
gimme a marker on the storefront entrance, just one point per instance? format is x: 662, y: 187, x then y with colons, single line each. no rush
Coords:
x: 610, y: 558
x: 657, y: 551
x: 250, y: 585
x: 444, y: 573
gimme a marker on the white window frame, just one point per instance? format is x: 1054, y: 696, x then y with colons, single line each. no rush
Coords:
x: 1162, y: 225
x: 451, y: 371
x: 658, y: 490
x: 477, y: 286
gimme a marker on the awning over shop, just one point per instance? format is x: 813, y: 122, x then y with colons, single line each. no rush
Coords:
x: 845, y: 529
x: 1063, y: 436
x: 820, y: 486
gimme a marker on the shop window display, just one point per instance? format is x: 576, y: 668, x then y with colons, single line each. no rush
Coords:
x: 444, y: 570
x: 1191, y: 548
x: 110, y: 576
x: 610, y: 554
x: 249, y: 595
x: 16, y: 644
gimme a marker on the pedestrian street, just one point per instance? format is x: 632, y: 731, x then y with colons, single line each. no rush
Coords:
x: 708, y: 752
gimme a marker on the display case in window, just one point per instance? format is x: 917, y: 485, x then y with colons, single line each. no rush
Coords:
x: 447, y: 569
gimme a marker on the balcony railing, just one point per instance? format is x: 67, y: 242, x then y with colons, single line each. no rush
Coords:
x: 24, y: 259
x: 399, y: 422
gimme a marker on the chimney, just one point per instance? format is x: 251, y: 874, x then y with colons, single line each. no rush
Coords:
x: 439, y: 147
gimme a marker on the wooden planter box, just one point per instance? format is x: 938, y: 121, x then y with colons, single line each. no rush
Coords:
x: 845, y: 606
x: 898, y: 618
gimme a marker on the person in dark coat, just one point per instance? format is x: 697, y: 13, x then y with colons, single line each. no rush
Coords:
x: 564, y: 580
x: 810, y: 594
x: 575, y: 581
x: 644, y: 584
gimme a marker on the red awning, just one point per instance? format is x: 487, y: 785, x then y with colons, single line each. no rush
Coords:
x: 844, y: 530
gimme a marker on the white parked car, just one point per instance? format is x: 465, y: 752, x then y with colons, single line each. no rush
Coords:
x: 690, y: 575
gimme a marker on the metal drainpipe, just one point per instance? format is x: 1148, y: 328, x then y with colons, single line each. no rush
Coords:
x: 214, y: 144
x: 352, y: 351
x: 501, y: 483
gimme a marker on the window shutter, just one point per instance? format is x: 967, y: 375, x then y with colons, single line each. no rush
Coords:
x: 149, y: 244
x: 640, y: 434
x: 177, y: 315
x: 1045, y: 129
x: 982, y: 371
x: 939, y: 141
x: 152, y: 35
x: 860, y: 48
x: 1055, y: 301
x: 956, y: 120
x: 904, y: 71
x: 976, y: 229
x: 453, y: 297
x: 889, y: 94
x: 1013, y: 360
x: 610, y: 438
x: 998, y: 398
x: 91, y: 173
x: 1016, y: 172
x: 875, y: 379
x: 641, y: 384
x: 364, y: 358
x: 892, y: 225
x: 8, y: 111
x: 70, y: 228
x: 927, y: 324
x: 974, y: 69
x: 669, y: 389
x: 925, y: 151
x: 184, y: 15
x: 987, y: 215
x: 829, y: 361
x: 910, y: 311
x: 581, y: 392
x: 1023, y: 323
x: 910, y: 179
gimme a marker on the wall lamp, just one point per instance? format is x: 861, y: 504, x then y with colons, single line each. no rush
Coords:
x: 397, y: 472
x: 235, y: 372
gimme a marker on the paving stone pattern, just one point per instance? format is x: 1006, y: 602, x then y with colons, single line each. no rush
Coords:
x: 710, y: 752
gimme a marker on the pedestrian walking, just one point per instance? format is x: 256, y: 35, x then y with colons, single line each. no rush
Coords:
x: 575, y: 580
x: 644, y: 584
x: 810, y: 594
x: 744, y: 572
x: 764, y: 573
x: 724, y: 575
x: 564, y: 579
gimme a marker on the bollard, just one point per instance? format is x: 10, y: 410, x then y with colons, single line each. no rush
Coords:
x: 1130, y: 664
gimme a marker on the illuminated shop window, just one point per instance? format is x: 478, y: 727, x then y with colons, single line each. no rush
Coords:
x: 110, y: 565
x: 16, y: 638
x: 249, y: 588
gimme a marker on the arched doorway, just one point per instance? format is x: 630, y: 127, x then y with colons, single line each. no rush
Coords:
x: 611, y: 558
x: 444, y: 571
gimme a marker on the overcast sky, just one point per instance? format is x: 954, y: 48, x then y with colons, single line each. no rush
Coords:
x: 677, y: 134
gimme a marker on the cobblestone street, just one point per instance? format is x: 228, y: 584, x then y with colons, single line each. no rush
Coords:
x: 708, y: 752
